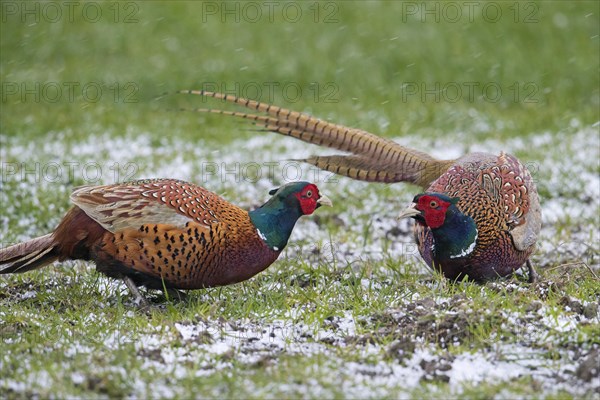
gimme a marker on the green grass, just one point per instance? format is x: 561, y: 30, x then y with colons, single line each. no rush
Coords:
x: 171, y: 48
x: 54, y: 332
x: 366, y: 321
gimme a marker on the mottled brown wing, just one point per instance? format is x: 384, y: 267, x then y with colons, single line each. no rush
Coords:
x: 158, y: 201
x: 498, y: 192
x: 520, y: 201
x: 510, y: 185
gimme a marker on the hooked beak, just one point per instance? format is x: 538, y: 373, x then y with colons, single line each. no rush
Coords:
x: 324, y: 201
x: 410, y: 211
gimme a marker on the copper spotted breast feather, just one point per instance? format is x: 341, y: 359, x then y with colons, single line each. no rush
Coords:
x: 487, y: 214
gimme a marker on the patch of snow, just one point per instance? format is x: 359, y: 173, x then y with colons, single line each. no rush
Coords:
x: 367, y: 232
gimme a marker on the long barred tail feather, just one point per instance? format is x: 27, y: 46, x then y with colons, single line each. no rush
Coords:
x: 374, y: 159
x: 29, y: 255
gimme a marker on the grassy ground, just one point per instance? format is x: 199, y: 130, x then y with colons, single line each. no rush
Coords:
x: 349, y: 310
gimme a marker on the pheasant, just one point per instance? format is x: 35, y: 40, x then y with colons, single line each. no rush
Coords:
x: 168, y: 234
x: 479, y: 216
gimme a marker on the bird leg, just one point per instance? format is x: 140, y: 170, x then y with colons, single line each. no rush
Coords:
x: 139, y: 299
x: 533, y: 276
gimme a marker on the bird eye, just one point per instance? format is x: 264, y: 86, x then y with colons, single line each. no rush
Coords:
x: 309, y: 193
x: 433, y: 204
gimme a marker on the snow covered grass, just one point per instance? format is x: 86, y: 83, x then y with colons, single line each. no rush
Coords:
x: 348, y: 311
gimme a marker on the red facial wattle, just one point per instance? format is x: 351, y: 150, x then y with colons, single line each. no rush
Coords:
x: 308, y: 199
x: 433, y: 209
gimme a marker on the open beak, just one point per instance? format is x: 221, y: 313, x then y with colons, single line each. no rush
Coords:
x: 410, y: 211
x: 324, y: 201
